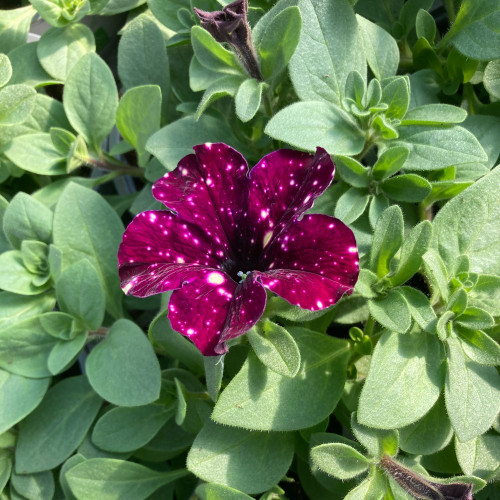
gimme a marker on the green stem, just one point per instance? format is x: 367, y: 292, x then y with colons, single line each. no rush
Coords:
x: 115, y: 166
x: 268, y: 104
x: 425, y: 212
x: 450, y: 8
x: 106, y: 178
x: 369, y: 325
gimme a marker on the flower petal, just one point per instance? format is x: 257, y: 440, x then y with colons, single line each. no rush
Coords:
x: 209, y: 188
x: 159, y: 252
x: 312, y: 263
x: 284, y: 184
x: 215, y: 309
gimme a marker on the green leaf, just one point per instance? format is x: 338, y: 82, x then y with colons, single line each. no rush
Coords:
x: 330, y: 47
x: 476, y: 31
x: 143, y: 58
x: 14, y: 408
x: 478, y: 346
x: 211, y: 491
x: 176, y: 140
x: 378, y: 204
x: 387, y: 239
x: 436, y: 272
x: 138, y: 117
x: 36, y: 153
x: 390, y: 162
x: 5, y: 469
x: 409, y: 11
x: 25, y: 218
x: 5, y: 70
x: 428, y: 435
x: 166, y: 12
x: 339, y: 460
x: 396, y: 94
x: 279, y: 41
x: 480, y: 456
x: 86, y: 227
x: 127, y: 429
x: 378, y: 442
x: 411, y: 188
x: 19, y: 307
x: 420, y: 308
x: 181, y: 410
x: 414, y: 246
x: 123, y: 368
x: 214, y: 370
x: 404, y: 380
x: 14, y: 277
x: 33, y: 486
x: 248, y: 461
x: 468, y: 225
x: 90, y: 99
x: 60, y: 49
x: 307, y: 125
x: 14, y: 27
x: 391, y: 311
x: 352, y: 171
x: 54, y: 430
x: 80, y: 293
x: 472, y: 393
x: 25, y: 347
x: 175, y: 345
x: 61, y: 139
x: 64, y: 353
x: 258, y: 398
x: 227, y: 85
x: 434, y: 114
x: 26, y: 67
x: 382, y: 53
x: 16, y: 104
x: 35, y: 258
x: 109, y: 479
x: 247, y: 99
x: 351, y: 205
x: 486, y: 129
x: 365, y: 284
x: 275, y: 347
x: 486, y: 294
x: 491, y: 78
x: 425, y: 26
x: 59, y: 13
x: 433, y: 148
x: 212, y: 54
x: 475, y: 318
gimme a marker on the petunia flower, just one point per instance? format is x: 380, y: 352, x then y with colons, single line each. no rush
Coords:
x: 229, y: 234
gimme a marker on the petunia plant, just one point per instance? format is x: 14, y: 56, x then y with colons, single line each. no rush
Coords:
x: 249, y: 249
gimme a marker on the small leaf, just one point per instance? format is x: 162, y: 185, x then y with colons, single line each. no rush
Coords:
x: 413, y: 248
x: 339, y: 460
x: 33, y: 486
x: 472, y: 393
x: 378, y: 204
x: 351, y: 205
x: 247, y: 99
x: 391, y: 311
x: 279, y: 41
x: 54, y: 430
x: 411, y: 188
x: 390, y: 162
x: 437, y: 274
x: 275, y: 347
x: 123, y: 368
x: 109, y: 479
x: 387, y: 239
x: 16, y: 104
x: 396, y: 94
x: 309, y: 124
x: 212, y: 54
x: 420, y: 308
x: 475, y: 318
x: 478, y: 346
x: 248, y: 461
x: 90, y: 99
x: 434, y: 114
x: 212, y: 491
x: 404, y: 380
x: 425, y: 26
x: 352, y: 171
x: 491, y: 78
x: 5, y: 69
x: 214, y: 369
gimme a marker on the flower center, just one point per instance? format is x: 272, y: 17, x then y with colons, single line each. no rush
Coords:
x: 242, y: 275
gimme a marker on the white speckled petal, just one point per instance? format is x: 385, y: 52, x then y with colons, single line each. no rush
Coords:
x: 312, y: 263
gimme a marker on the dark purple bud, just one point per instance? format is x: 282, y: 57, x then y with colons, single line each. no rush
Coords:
x: 423, y: 489
x: 230, y: 25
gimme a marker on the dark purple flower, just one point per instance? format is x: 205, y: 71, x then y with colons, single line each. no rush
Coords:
x: 228, y: 234
x: 230, y: 25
